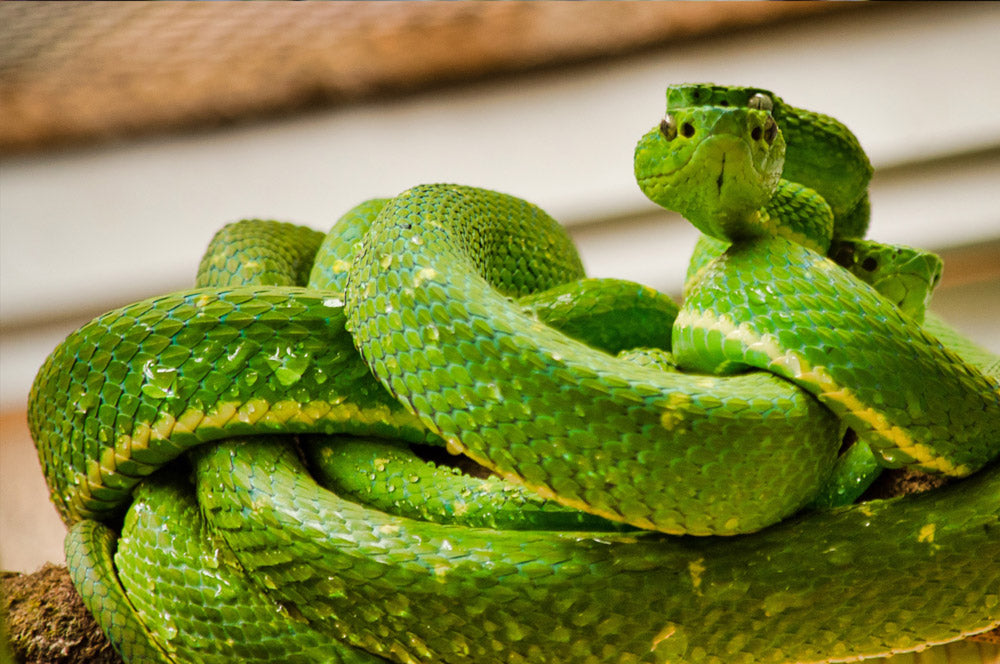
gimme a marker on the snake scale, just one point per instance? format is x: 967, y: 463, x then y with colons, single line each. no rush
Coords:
x: 256, y: 469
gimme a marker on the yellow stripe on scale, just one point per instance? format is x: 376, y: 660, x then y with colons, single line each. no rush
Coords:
x: 817, y: 379
x: 99, y: 472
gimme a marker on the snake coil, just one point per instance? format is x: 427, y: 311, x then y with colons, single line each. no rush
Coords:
x: 184, y: 438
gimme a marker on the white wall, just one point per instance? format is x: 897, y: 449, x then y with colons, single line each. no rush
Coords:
x: 85, y: 230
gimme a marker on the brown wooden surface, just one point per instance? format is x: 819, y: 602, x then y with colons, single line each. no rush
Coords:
x: 80, y: 71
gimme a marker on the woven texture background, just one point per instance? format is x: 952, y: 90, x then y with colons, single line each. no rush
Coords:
x: 72, y: 72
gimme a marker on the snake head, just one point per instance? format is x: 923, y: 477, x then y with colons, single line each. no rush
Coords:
x: 716, y: 165
x: 905, y: 275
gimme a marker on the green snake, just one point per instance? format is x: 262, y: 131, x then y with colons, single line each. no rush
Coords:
x: 253, y: 470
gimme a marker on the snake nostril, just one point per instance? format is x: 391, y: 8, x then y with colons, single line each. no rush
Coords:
x: 687, y: 130
x: 756, y: 133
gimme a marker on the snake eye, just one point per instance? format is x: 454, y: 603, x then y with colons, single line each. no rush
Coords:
x: 761, y: 102
x: 770, y: 130
x: 668, y: 128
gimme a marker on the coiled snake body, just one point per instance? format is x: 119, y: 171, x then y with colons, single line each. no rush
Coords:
x: 628, y: 436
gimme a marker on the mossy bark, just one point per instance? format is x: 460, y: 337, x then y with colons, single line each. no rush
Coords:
x: 45, y: 621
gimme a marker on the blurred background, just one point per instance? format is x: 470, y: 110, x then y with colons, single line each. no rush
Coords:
x: 132, y: 131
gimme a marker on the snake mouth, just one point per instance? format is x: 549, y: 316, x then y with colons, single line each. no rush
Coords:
x: 724, y: 148
x: 659, y: 176
x: 721, y: 149
x: 716, y: 182
x: 729, y: 173
x: 734, y: 160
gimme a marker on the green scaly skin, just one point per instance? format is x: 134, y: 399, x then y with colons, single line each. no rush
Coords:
x: 821, y: 153
x: 904, y: 275
x: 457, y: 299
x: 824, y: 179
x: 388, y: 476
x: 825, y: 155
